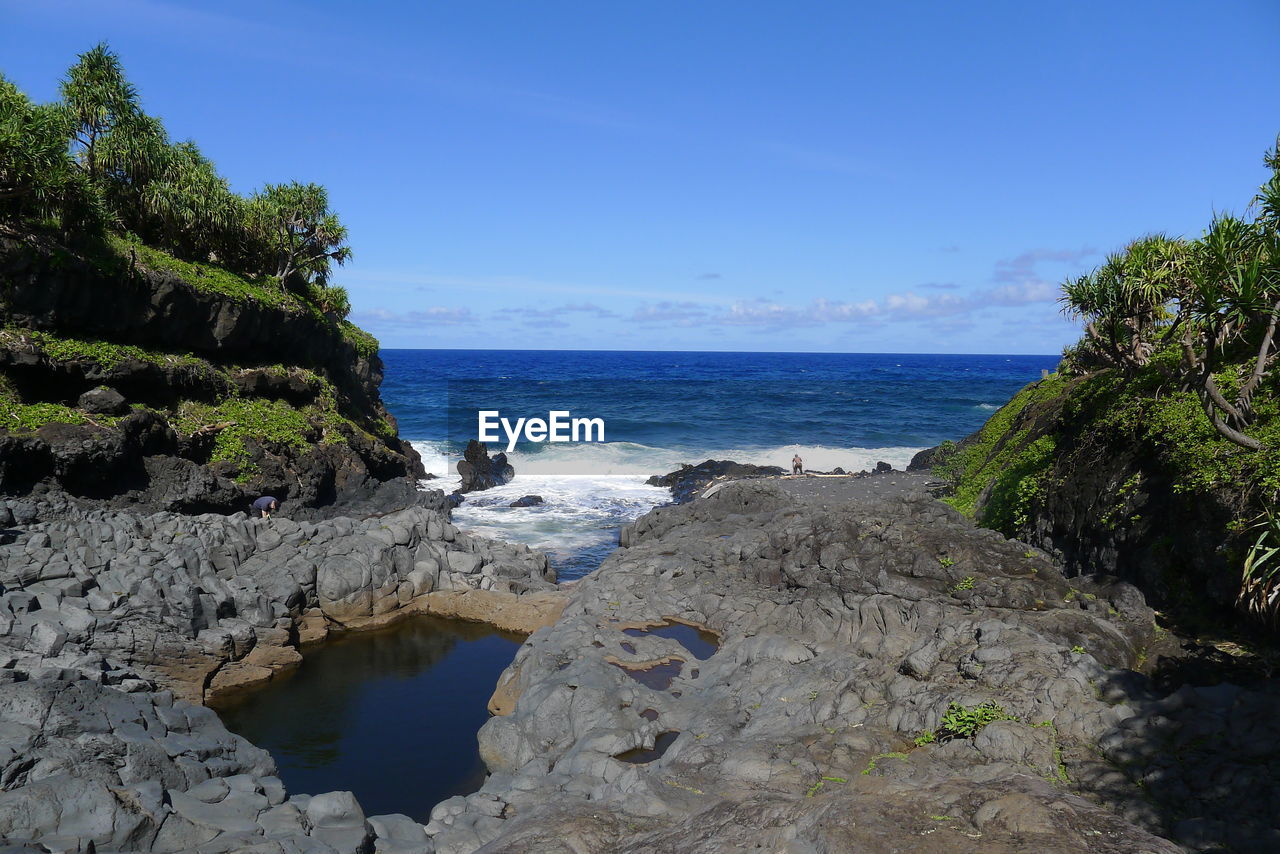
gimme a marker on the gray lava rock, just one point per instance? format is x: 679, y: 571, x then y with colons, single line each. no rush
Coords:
x: 844, y: 635
x: 101, y: 612
x: 103, y: 401
x: 688, y: 480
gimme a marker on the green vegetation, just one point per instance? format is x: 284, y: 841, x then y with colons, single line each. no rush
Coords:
x: 965, y: 721
x: 871, y: 766
x: 1004, y: 455
x: 93, y: 177
x: 25, y: 418
x: 97, y: 166
x: 272, y: 422
x: 103, y: 353
x: 1260, y: 585
x: 1212, y: 303
x: 965, y: 583
x: 207, y: 278
x: 816, y: 787
x: 280, y: 426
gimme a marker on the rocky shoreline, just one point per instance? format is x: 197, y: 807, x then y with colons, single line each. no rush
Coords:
x: 852, y: 642
x: 113, y: 626
x: 772, y: 666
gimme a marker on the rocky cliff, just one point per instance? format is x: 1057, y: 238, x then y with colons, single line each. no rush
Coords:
x: 132, y: 378
x: 1118, y: 475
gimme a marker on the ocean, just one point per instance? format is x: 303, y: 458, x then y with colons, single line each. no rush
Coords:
x: 663, y: 409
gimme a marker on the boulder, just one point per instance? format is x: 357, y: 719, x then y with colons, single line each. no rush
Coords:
x: 480, y: 471
x: 103, y: 401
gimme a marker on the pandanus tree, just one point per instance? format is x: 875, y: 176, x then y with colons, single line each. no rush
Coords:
x: 302, y: 237
x: 98, y: 99
x: 1124, y: 302
x: 1230, y: 303
x: 1217, y: 299
x: 191, y: 208
x: 96, y: 161
x: 34, y: 168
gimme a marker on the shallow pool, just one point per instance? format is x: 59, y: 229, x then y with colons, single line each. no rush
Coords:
x: 390, y: 715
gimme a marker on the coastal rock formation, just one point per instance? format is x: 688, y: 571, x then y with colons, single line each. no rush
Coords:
x: 53, y: 289
x: 90, y: 768
x: 880, y: 676
x: 112, y: 624
x: 765, y: 667
x: 687, y: 481
x: 202, y: 603
x: 480, y: 471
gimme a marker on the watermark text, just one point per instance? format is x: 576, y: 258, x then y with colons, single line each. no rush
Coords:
x: 558, y: 426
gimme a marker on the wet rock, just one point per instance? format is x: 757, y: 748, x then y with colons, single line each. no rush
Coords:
x: 480, y: 471
x: 527, y: 501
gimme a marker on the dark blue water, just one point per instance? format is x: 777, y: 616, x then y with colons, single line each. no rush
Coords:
x: 694, y: 401
x: 665, y: 409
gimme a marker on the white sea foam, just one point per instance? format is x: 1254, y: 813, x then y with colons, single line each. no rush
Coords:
x: 595, y: 459
x: 591, y: 490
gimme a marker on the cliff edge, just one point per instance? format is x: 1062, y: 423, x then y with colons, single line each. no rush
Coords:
x: 135, y: 379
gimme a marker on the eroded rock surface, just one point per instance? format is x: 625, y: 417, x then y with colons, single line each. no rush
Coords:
x: 846, y: 634
x: 106, y: 616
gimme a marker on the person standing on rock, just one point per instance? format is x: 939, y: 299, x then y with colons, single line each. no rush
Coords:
x: 266, y: 505
x: 797, y: 465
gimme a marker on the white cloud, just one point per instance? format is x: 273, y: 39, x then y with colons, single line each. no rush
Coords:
x: 438, y: 315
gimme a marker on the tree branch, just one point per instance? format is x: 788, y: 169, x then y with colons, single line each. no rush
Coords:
x: 1245, y: 398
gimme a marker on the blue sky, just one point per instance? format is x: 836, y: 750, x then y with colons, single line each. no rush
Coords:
x: 908, y: 177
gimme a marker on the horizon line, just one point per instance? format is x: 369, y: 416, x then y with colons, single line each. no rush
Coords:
x: 732, y: 352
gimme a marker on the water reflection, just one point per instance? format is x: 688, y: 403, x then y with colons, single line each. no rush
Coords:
x: 391, y: 715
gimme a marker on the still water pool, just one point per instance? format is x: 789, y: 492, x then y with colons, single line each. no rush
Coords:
x: 390, y: 715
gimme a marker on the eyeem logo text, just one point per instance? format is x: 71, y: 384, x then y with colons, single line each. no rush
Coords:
x: 558, y: 426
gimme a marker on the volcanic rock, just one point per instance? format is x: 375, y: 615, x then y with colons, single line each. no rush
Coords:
x: 480, y: 471
x: 688, y: 480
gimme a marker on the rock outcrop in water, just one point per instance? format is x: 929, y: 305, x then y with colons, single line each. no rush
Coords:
x: 480, y: 471
x: 854, y: 643
x: 110, y: 623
